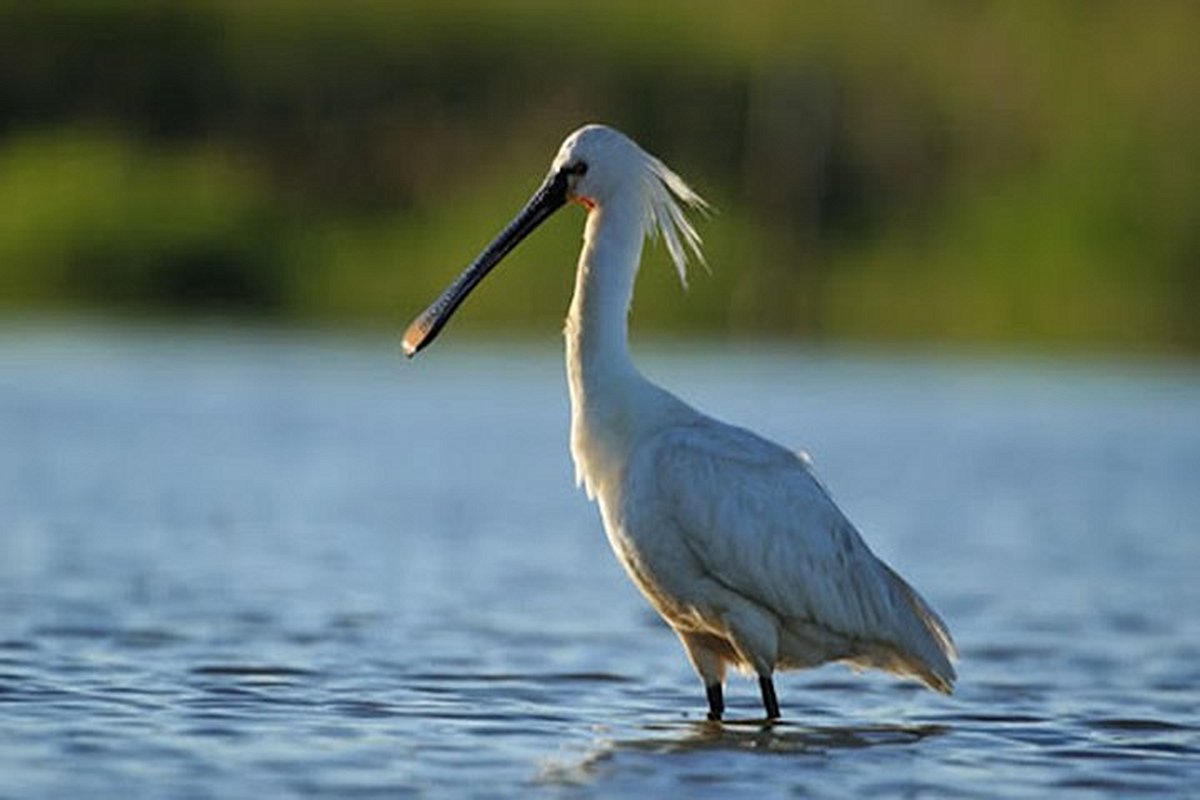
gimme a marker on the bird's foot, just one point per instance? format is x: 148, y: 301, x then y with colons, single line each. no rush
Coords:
x: 716, y: 702
x: 770, y: 701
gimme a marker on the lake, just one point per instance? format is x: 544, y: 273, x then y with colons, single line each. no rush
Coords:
x: 239, y: 563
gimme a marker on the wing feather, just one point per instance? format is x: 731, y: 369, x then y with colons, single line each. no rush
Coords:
x: 759, y: 521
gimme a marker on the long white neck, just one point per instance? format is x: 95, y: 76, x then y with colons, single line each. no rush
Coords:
x: 602, y: 378
x: 597, y: 329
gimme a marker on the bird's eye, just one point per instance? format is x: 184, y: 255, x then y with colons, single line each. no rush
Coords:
x: 578, y: 168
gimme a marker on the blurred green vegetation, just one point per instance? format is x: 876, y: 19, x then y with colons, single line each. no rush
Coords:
x: 991, y: 172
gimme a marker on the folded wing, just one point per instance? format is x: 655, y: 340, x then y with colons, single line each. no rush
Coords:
x: 759, y: 522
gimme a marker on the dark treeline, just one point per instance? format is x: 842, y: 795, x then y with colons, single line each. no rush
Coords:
x: 987, y: 172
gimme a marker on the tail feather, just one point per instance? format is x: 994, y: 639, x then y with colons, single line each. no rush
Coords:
x: 930, y: 656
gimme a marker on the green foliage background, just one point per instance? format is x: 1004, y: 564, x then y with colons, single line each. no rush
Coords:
x: 1023, y: 173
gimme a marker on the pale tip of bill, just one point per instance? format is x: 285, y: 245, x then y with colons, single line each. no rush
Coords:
x: 411, y: 343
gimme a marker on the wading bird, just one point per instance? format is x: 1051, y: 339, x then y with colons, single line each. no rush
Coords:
x: 730, y: 537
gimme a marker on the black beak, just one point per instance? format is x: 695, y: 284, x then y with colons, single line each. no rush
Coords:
x: 546, y: 200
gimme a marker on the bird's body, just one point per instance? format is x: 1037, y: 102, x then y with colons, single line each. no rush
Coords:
x: 730, y: 537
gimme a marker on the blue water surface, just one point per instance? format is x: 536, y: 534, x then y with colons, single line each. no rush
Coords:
x: 239, y: 563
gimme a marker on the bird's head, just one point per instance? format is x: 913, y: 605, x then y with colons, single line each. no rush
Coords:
x: 599, y: 163
x: 598, y: 167
x: 602, y: 164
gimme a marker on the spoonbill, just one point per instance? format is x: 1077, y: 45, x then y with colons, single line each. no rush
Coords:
x: 731, y: 537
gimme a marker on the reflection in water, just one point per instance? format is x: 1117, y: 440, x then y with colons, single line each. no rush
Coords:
x: 705, y: 752
x: 779, y: 737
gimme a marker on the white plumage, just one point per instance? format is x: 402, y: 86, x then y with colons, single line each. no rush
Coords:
x: 730, y: 536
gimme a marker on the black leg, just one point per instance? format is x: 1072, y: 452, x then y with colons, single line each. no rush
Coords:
x: 770, y: 702
x: 716, y: 701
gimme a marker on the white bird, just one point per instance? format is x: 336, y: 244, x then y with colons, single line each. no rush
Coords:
x: 730, y: 537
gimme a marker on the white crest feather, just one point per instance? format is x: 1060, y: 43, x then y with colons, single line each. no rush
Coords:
x: 664, y: 191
